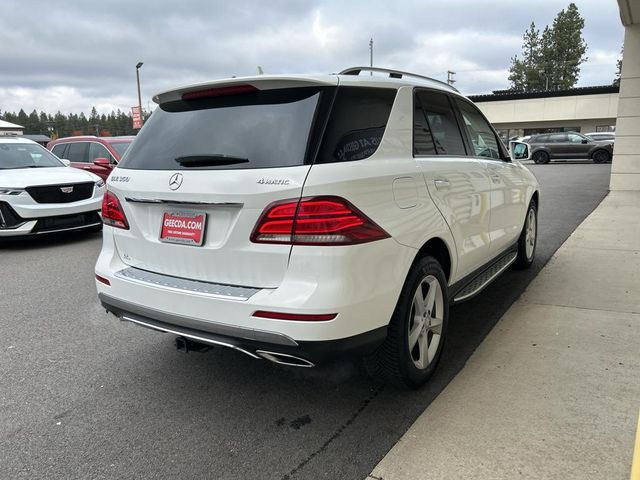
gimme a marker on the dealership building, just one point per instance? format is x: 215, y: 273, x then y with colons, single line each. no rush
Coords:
x: 7, y: 128
x: 585, y: 110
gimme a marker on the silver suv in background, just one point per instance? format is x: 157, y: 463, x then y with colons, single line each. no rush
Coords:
x: 569, y: 145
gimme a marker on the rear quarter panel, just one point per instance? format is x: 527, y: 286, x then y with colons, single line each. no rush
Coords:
x: 389, y: 188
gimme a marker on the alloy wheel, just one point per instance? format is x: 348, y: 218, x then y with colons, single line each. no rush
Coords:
x: 530, y: 233
x: 425, y: 322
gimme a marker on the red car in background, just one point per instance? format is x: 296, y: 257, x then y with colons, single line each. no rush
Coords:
x: 98, y: 155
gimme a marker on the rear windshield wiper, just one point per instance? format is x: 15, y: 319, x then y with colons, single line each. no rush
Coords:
x: 209, y: 160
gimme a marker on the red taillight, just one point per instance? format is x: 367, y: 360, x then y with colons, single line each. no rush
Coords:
x: 112, y: 213
x: 315, y: 221
x: 103, y: 280
x: 300, y: 317
x: 219, y: 92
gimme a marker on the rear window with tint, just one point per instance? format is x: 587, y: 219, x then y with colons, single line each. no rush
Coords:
x: 356, y: 125
x: 268, y: 128
x: 434, y: 119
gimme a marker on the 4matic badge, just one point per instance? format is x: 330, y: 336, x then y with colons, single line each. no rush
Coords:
x: 274, y: 181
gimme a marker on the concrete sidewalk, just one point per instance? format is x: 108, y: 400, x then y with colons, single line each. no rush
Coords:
x: 553, y: 392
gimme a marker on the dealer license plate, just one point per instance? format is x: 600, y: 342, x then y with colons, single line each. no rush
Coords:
x: 186, y: 228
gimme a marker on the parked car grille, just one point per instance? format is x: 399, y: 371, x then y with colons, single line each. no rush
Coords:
x: 63, y: 222
x: 58, y: 193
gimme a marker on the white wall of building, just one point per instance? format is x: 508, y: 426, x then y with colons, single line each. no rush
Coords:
x: 552, y: 109
x: 625, y: 171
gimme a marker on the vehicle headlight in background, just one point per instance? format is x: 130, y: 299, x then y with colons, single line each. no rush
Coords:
x: 99, y: 183
x: 11, y: 191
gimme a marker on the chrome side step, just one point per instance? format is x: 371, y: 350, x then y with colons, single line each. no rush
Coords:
x: 485, y: 278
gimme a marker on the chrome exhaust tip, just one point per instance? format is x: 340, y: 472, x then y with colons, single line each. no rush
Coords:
x: 284, y: 359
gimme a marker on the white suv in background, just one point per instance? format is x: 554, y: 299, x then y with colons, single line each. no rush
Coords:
x: 302, y: 218
x: 40, y: 194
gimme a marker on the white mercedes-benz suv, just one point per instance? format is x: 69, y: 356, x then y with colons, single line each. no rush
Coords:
x: 40, y: 194
x: 302, y: 218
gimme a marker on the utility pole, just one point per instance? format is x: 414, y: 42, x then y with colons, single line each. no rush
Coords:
x: 138, y: 65
x: 371, y: 55
x: 450, y: 79
x: 138, y: 82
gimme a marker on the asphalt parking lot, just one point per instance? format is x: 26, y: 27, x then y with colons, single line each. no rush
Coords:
x: 85, y: 396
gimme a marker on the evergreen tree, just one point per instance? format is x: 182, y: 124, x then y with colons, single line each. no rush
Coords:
x: 524, y: 74
x: 551, y: 61
x: 616, y: 80
x: 569, y: 48
x: 61, y: 125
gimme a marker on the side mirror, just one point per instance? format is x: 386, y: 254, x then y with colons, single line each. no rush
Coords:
x: 66, y: 162
x: 519, y: 151
x: 585, y: 141
x: 102, y: 162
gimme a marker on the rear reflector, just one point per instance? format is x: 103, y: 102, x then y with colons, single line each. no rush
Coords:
x: 322, y: 317
x: 112, y: 213
x: 315, y: 221
x: 219, y: 92
x: 103, y: 280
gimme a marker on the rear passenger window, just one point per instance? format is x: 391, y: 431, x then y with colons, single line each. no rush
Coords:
x: 423, y: 143
x: 356, y: 125
x: 484, y: 141
x: 97, y: 150
x: 440, y: 123
x: 77, y: 152
x: 58, y: 150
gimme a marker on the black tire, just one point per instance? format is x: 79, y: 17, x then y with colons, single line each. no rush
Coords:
x: 525, y: 258
x: 393, y: 361
x: 601, y: 156
x: 540, y: 157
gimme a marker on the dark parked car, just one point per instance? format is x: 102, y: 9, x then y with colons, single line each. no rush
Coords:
x: 568, y: 145
x: 98, y: 155
x: 602, y: 136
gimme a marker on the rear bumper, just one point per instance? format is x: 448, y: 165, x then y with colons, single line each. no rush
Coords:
x: 254, y: 343
x: 319, y: 280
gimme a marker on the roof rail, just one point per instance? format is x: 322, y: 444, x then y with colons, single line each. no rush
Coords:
x: 392, y: 74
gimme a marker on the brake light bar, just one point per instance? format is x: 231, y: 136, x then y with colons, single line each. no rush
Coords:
x: 326, y: 220
x: 219, y: 92
x: 300, y: 317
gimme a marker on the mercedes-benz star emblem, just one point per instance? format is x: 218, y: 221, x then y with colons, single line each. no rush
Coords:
x: 175, y: 181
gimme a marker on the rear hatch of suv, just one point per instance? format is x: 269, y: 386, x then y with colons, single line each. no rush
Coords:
x: 203, y: 169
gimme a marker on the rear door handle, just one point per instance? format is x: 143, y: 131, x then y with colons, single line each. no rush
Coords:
x: 442, y: 183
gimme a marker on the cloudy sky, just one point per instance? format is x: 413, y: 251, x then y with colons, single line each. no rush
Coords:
x: 71, y: 55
